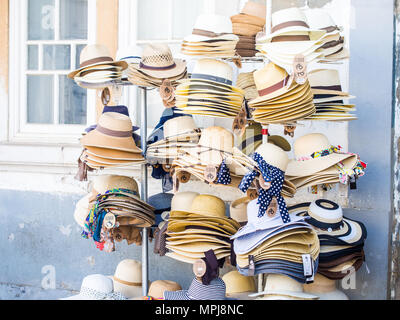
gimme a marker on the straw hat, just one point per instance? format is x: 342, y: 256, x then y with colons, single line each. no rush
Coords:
x: 278, y: 285
x: 208, y: 205
x: 238, y: 209
x: 130, y: 54
x: 82, y: 210
x: 255, y: 9
x: 158, y: 287
x: 324, y: 288
x: 103, y: 183
x: 213, y: 71
x: 96, y: 55
x: 113, y: 131
x: 306, y: 146
x: 238, y: 286
x: 127, y: 278
x: 273, y: 155
x: 320, y: 19
x: 211, y: 27
x: 182, y: 201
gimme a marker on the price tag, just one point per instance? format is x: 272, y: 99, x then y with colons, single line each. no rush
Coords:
x: 210, y: 173
x: 272, y: 208
x: 105, y: 96
x: 109, y: 220
x: 251, y: 266
x: 166, y: 167
x: 239, y: 123
x: 199, y: 268
x: 300, y: 69
x: 252, y: 194
x: 289, y: 130
x: 264, y: 184
x: 183, y: 176
x: 307, y: 265
x: 175, y: 183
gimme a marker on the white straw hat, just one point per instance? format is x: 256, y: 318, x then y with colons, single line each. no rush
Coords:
x: 127, y: 278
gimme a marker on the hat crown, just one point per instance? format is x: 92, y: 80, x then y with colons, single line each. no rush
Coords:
x: 97, y: 282
x: 273, y: 155
x: 215, y: 68
x: 238, y: 209
x: 324, y: 78
x: 321, y: 284
x: 115, y: 121
x: 157, y: 55
x: 217, y: 138
x: 215, y: 289
x: 129, y: 270
x: 287, y: 15
x: 158, y: 287
x: 318, y: 18
x: 182, y: 201
x: 213, y: 22
x: 82, y: 210
x: 326, y: 211
x: 179, y: 125
x: 268, y: 76
x: 107, y: 182
x: 132, y: 53
x: 94, y: 51
x: 279, y: 282
x: 208, y: 205
x: 310, y: 143
x: 237, y: 283
x: 254, y: 9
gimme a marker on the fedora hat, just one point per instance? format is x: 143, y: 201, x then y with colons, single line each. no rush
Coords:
x: 325, y: 288
x: 130, y: 54
x: 215, y: 72
x: 182, y: 201
x: 96, y: 55
x: 255, y: 9
x: 127, y: 278
x: 208, y: 205
x: 157, y: 61
x: 96, y: 287
x: 314, y: 153
x: 103, y: 183
x: 290, y: 21
x: 239, y: 286
x: 211, y: 27
x: 238, y: 209
x: 215, y: 290
x: 320, y: 19
x: 278, y: 285
x: 113, y: 131
x: 158, y: 287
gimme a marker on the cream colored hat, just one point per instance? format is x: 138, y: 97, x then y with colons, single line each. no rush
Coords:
x: 320, y: 19
x: 304, y: 149
x: 238, y: 286
x: 96, y: 55
x: 238, y: 209
x: 325, y: 288
x: 128, y: 278
x: 158, y: 287
x: 214, y: 71
x: 82, y: 210
x: 273, y: 155
x: 103, y: 183
x: 281, y: 285
x: 182, y: 201
x: 255, y: 9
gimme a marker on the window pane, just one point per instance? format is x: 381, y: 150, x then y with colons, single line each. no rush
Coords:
x: 79, y: 48
x: 33, y: 59
x: 73, y: 19
x: 56, y: 57
x: 40, y: 19
x: 40, y: 99
x: 72, y: 102
x: 152, y: 19
x: 184, y: 14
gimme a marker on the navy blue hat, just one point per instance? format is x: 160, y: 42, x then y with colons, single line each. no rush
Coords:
x: 161, y: 202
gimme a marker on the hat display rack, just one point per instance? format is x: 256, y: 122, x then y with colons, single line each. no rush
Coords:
x: 108, y: 78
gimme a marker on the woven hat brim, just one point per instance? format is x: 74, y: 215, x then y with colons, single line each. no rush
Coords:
x: 198, y: 38
x: 97, y: 139
x: 122, y: 64
x: 113, y: 154
x: 180, y: 67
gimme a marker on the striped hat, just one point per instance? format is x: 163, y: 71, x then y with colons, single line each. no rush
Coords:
x: 215, y: 290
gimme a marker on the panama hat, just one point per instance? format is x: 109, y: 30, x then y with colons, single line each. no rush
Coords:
x: 325, y: 288
x: 281, y: 285
x: 96, y: 287
x: 158, y: 287
x: 238, y: 209
x: 96, y: 55
x: 307, y: 146
x: 239, y: 286
x: 320, y: 19
x: 130, y: 54
x: 127, y: 278
x: 114, y: 131
x: 290, y: 20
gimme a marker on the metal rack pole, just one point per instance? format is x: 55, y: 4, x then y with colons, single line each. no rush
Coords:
x: 144, y: 189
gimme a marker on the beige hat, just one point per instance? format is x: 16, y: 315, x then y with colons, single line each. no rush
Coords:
x: 255, y: 9
x: 82, y: 210
x: 239, y: 286
x: 128, y: 278
x: 208, y: 205
x: 182, y: 201
x: 280, y: 285
x: 103, y: 183
x: 113, y: 131
x: 96, y: 55
x: 307, y: 164
x: 238, y: 209
x: 158, y: 287
x: 273, y: 155
x: 325, y: 288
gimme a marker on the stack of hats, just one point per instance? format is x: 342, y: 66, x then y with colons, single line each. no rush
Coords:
x: 341, y: 239
x: 131, y: 55
x: 239, y: 286
x: 156, y: 66
x: 282, y: 287
x: 324, y: 288
x: 290, y: 36
x: 209, y: 91
x: 180, y: 132
x: 332, y: 42
x: 211, y: 37
x: 246, y: 25
x: 197, y: 223
x: 280, y: 100
x: 245, y: 81
x: 328, y: 96
x: 111, y: 143
x: 273, y: 241
x: 113, y: 211
x: 97, y: 68
x: 318, y: 162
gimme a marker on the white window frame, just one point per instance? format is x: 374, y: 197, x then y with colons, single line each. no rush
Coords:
x: 19, y: 130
